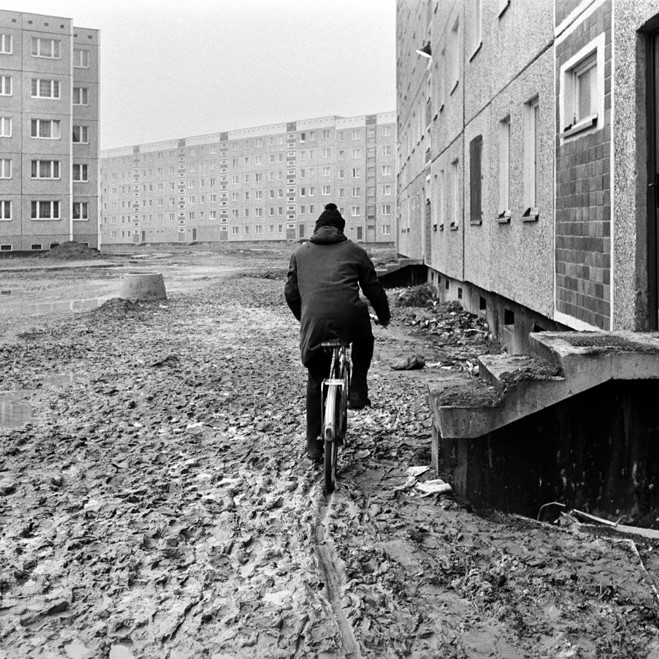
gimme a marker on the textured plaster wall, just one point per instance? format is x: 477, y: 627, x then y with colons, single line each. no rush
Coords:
x: 630, y: 175
x: 521, y: 264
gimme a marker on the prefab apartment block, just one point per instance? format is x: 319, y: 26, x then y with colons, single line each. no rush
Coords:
x: 265, y: 183
x: 49, y: 137
x: 527, y: 159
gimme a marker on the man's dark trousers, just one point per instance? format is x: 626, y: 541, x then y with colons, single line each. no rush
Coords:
x: 318, y: 369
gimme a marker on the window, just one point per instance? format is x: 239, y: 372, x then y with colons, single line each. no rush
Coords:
x: 355, y: 211
x: 386, y: 170
x: 5, y: 126
x: 326, y: 134
x: 454, y: 63
x: 531, y: 151
x: 386, y: 209
x: 475, y: 179
x: 80, y: 210
x: 5, y: 85
x: 234, y: 231
x: 356, y: 173
x: 356, y: 192
x: 5, y: 209
x: 49, y: 48
x: 80, y: 173
x: 386, y: 229
x: 45, y: 128
x: 454, y: 195
x: 356, y: 153
x: 45, y: 88
x: 49, y: 169
x: 6, y: 44
x: 386, y: 150
x: 387, y: 131
x: 327, y: 153
x: 504, y: 169
x: 80, y: 96
x: 386, y: 189
x: 325, y: 190
x: 477, y: 31
x: 356, y: 134
x: 327, y: 171
x: 5, y: 168
x: 80, y: 58
x: 45, y: 210
x: 581, y: 103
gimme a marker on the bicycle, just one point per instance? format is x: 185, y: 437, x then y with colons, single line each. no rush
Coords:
x: 334, y: 408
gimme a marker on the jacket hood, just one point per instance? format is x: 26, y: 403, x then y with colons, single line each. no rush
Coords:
x: 327, y: 235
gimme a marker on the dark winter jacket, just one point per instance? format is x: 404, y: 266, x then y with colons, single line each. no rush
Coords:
x: 322, y: 289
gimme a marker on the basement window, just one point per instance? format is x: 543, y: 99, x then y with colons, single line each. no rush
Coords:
x: 5, y: 248
x: 36, y: 246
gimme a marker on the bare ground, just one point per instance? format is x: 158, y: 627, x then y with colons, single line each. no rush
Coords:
x: 159, y: 503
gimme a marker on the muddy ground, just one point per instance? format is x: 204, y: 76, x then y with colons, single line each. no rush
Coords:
x: 158, y: 504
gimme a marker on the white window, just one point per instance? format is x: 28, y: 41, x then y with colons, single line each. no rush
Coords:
x: 80, y: 96
x: 327, y: 171
x: 5, y: 209
x: 356, y: 173
x: 312, y: 191
x: 49, y: 169
x: 325, y: 190
x: 80, y: 210
x: 531, y: 153
x: 356, y: 192
x: 5, y: 167
x: 5, y: 126
x: 45, y: 128
x: 355, y: 211
x: 386, y: 229
x: 81, y: 58
x: 386, y: 150
x: 581, y: 103
x: 327, y: 153
x: 326, y: 134
x: 504, y: 168
x: 386, y: 170
x: 342, y: 173
x: 5, y: 86
x: 6, y: 44
x: 258, y: 228
x: 42, y: 88
x: 49, y: 48
x: 80, y: 173
x: 387, y: 131
x: 356, y: 134
x: 386, y: 209
x: 386, y: 189
x: 234, y: 230
x: 45, y: 210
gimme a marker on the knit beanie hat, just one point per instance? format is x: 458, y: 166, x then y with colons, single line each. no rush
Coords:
x: 330, y: 217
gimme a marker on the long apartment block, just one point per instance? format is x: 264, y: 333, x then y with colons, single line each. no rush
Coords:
x: 264, y: 183
x: 49, y: 132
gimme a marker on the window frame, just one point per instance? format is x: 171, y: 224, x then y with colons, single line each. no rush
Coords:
x: 54, y: 86
x: 81, y: 205
x: 36, y: 52
x: 53, y: 204
x: 4, y: 38
x: 54, y: 167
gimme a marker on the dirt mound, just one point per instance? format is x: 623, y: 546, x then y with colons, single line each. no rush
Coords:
x: 116, y: 306
x: 72, y: 251
x: 418, y: 296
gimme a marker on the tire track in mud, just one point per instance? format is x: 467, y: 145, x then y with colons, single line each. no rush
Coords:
x: 333, y: 575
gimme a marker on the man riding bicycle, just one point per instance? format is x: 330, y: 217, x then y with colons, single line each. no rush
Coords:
x: 322, y: 291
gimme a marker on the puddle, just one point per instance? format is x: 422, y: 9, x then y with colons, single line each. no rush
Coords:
x: 15, y: 411
x: 36, y: 308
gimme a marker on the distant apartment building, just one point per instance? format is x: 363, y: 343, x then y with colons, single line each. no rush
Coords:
x: 49, y: 132
x: 527, y: 159
x: 266, y: 183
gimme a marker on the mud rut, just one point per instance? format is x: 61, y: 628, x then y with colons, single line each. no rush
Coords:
x: 161, y: 506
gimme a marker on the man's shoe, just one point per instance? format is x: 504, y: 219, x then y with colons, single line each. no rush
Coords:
x: 358, y: 401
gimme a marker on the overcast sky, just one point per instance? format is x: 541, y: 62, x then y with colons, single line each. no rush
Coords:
x: 176, y: 68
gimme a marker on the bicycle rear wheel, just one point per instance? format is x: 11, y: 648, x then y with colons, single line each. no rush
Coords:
x: 332, y: 407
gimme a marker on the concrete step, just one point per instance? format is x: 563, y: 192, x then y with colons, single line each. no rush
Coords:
x: 565, y: 364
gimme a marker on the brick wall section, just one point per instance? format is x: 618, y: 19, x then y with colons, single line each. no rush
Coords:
x: 583, y: 196
x: 563, y: 9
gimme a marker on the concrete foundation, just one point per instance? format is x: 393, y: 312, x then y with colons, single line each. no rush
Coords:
x: 597, y: 451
